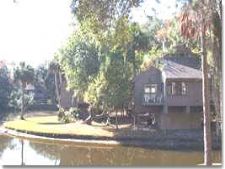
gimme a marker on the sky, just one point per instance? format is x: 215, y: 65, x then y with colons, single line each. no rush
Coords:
x: 33, y: 30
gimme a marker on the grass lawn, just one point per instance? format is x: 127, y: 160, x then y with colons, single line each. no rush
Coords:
x: 51, y: 125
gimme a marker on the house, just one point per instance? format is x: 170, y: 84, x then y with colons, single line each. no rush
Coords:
x: 170, y: 92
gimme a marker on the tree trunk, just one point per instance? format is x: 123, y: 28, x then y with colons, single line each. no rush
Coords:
x: 57, y: 89
x: 206, y: 108
x: 217, y: 71
x: 216, y: 97
x: 116, y: 121
x: 22, y: 103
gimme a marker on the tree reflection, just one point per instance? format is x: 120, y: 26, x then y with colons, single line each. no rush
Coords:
x: 5, y: 142
x: 22, y: 153
x: 86, y: 155
x: 47, y: 150
x: 94, y: 155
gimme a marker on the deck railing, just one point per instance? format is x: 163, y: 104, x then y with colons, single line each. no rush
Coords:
x: 152, y: 99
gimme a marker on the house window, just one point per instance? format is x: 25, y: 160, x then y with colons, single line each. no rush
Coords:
x: 151, y: 88
x: 171, y: 88
x: 178, y: 88
x: 174, y: 88
x: 150, y: 91
x: 184, y: 88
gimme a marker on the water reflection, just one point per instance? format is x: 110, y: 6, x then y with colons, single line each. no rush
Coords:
x: 4, y: 143
x: 83, y: 155
x: 54, y: 153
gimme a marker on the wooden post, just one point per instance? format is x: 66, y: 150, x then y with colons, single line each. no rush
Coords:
x: 165, y: 106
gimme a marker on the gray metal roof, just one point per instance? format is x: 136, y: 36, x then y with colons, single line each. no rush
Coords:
x: 173, y: 70
x: 187, y: 60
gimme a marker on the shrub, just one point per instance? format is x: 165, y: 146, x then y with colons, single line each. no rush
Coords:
x: 68, y: 117
x: 75, y: 112
x: 61, y: 114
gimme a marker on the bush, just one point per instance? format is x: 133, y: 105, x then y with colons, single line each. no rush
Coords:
x: 61, y: 114
x: 68, y: 117
x: 75, y: 112
x: 16, y: 99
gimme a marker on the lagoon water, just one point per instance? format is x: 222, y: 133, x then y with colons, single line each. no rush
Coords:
x: 14, y: 151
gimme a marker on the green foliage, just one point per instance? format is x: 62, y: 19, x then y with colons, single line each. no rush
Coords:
x: 75, y: 112
x: 69, y: 116
x: 99, y: 65
x: 80, y: 61
x: 151, y: 28
x: 106, y: 51
x: 96, y: 89
x: 61, y: 114
x: 112, y: 88
x: 5, y: 88
x: 44, y: 79
x: 102, y: 12
x: 118, y: 77
x: 55, y: 78
x: 40, y: 75
x: 16, y: 99
x: 24, y: 74
x: 150, y: 58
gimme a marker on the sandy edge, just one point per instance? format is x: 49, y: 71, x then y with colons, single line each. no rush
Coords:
x: 14, y: 133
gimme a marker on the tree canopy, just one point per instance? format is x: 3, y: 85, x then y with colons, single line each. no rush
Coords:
x: 5, y: 88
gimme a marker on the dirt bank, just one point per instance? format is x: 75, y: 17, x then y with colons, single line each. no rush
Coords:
x: 170, y: 140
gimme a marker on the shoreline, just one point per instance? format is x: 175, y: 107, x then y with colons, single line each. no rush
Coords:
x: 153, y: 143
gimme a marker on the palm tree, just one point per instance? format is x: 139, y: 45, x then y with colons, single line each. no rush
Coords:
x: 55, y: 69
x: 23, y: 74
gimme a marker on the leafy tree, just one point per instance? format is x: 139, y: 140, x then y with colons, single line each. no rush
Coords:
x: 197, y: 20
x: 102, y: 12
x: 151, y: 28
x: 44, y: 79
x: 23, y: 74
x: 54, y: 68
x: 17, y: 98
x: 95, y: 93
x: 80, y: 61
x: 90, y: 53
x: 138, y: 44
x: 40, y: 75
x: 111, y: 90
x: 5, y: 88
x: 50, y: 86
